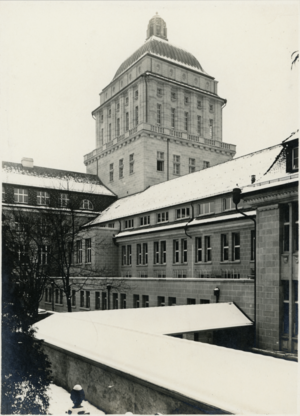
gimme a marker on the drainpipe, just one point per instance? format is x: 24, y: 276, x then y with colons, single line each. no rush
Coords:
x: 236, y: 197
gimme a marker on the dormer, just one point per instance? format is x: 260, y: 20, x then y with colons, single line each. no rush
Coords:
x: 292, y: 155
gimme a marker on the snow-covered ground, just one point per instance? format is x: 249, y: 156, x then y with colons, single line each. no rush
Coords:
x: 60, y: 402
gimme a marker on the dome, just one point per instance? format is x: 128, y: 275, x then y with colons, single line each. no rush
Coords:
x: 157, y: 45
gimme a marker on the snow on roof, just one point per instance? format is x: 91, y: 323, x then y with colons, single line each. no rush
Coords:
x: 14, y: 173
x: 232, y: 380
x: 206, y: 183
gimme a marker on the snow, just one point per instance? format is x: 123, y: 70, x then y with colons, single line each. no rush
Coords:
x: 194, y: 186
x: 60, y: 402
x: 231, y: 380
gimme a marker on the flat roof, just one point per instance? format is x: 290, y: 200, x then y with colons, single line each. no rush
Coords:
x: 131, y: 341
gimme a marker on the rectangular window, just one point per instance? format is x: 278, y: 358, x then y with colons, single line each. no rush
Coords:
x: 127, y: 121
x: 182, y: 213
x: 224, y: 247
x: 88, y: 250
x: 173, y: 118
x: 186, y: 121
x: 235, y: 246
x: 252, y: 245
x: 286, y: 228
x: 43, y: 198
x: 136, y: 301
x: 101, y: 118
x: 109, y: 112
x: 156, y: 252
x: 145, y: 301
x: 111, y: 172
x: 118, y: 127
x: 211, y: 129
x: 191, y: 301
x: 176, y: 252
x: 184, y: 251
x: 172, y: 301
x: 64, y: 200
x: 295, y: 158
x: 136, y: 94
x: 82, y: 299
x: 121, y: 168
x: 123, y: 301
x: 126, y: 100
x: 199, y: 125
x: 118, y: 106
x: 199, y: 104
x: 158, y: 114
x: 138, y: 254
x: 186, y: 100
x: 97, y: 300
x: 192, y: 165
x: 211, y: 108
x: 104, y: 298
x: 198, y: 249
x: 44, y: 250
x: 227, y: 204
x: 159, y: 92
x: 87, y: 299
x: 206, y: 208
x: 145, y: 253
x: 128, y: 255
x: 145, y: 220
x: 131, y: 163
x: 160, y: 161
x: 173, y: 96
x: 73, y: 299
x: 176, y: 165
x: 79, y: 251
x: 163, y: 252
x: 128, y: 224
x: 115, y: 301
x: 163, y: 216
x: 206, y: 164
x: 160, y: 301
x: 207, y: 248
x: 109, y: 132
x: 136, y: 115
x: 102, y: 135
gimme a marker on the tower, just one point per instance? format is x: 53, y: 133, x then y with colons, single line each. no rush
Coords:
x: 159, y: 118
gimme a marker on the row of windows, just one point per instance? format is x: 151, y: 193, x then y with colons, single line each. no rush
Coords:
x: 121, y: 168
x: 43, y: 198
x: 26, y: 254
x: 203, y: 250
x: 205, y: 208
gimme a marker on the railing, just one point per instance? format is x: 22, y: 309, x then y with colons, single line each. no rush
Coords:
x: 193, y: 138
x: 133, y: 131
x: 210, y: 142
x: 120, y: 138
x: 175, y: 133
x: 157, y: 129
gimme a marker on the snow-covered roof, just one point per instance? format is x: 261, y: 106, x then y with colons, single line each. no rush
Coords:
x: 235, y: 381
x: 219, y: 179
x: 16, y: 174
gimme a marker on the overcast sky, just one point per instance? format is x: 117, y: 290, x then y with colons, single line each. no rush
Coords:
x: 56, y: 57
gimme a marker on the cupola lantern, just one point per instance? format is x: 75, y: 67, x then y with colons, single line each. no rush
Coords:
x: 157, y: 27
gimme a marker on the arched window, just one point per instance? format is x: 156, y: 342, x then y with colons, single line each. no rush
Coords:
x: 86, y: 204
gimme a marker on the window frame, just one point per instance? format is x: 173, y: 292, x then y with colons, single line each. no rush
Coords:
x: 88, y: 250
x: 176, y: 164
x: 86, y: 204
x: 236, y: 246
x: 42, y: 198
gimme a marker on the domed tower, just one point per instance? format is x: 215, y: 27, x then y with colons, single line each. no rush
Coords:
x: 159, y: 118
x: 157, y: 27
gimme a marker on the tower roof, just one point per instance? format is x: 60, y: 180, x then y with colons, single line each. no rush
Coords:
x: 157, y: 45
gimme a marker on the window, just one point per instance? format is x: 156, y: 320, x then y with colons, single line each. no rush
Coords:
x: 158, y: 114
x: 156, y: 252
x: 131, y: 163
x: 102, y: 134
x: 43, y: 198
x: 101, y: 118
x: 206, y: 208
x: 163, y: 252
x: 145, y: 253
x: 186, y: 121
x: 207, y: 248
x: 118, y: 127
x: 121, y: 168
x: 97, y: 300
x: 64, y: 200
x: 182, y: 213
x: 192, y: 165
x: 145, y: 220
x: 43, y: 251
x: 184, y: 250
x: 118, y: 106
x: 199, y: 125
x: 87, y: 299
x: 86, y: 204
x: 82, y: 299
x: 73, y: 298
x: 204, y: 301
x: 227, y: 204
x: 127, y: 122
x: 88, y: 250
x: 138, y: 254
x: 211, y: 108
x: 128, y: 255
x: 126, y: 100
x: 252, y: 245
x: 191, y: 301
x: 136, y: 115
x: 160, y: 161
x: 173, y: 96
x: 123, y: 301
x: 211, y: 129
x: 115, y: 301
x: 199, y: 104
x: 173, y: 118
x: 235, y: 246
x: 78, y: 251
x: 176, y: 165
x: 128, y: 223
x: 180, y: 274
x: 109, y: 131
x: 136, y: 94
x: 198, y: 249
x: 295, y: 158
x: 159, y: 92
x: 286, y: 228
x: 163, y: 216
x: 145, y: 301
x: 172, y: 301
x: 186, y: 100
x: 109, y: 112
x: 224, y: 247
x: 136, y: 301
x: 176, y: 252
x: 111, y: 172
x: 206, y: 164
x: 160, y: 301
x: 104, y: 298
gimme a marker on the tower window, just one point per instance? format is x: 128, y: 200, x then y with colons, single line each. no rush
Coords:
x: 109, y: 112
x: 121, y: 168
x: 136, y: 94
x: 136, y: 115
x: 118, y: 106
x: 173, y: 118
x: 186, y: 100
x: 173, y: 96
x: 158, y: 114
x: 118, y: 127
x: 160, y: 161
x: 127, y: 122
x: 159, y: 92
x: 109, y: 131
x: 126, y: 100
x: 211, y: 128
x: 211, y: 108
x: 131, y: 163
x: 199, y: 125
x: 192, y: 165
x: 199, y: 104
x: 101, y: 118
x: 186, y: 121
x: 176, y: 165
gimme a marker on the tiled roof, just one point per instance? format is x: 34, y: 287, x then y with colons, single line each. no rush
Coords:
x: 159, y: 47
x: 37, y: 176
x: 219, y: 179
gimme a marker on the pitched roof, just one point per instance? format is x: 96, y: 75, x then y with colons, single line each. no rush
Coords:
x: 161, y: 48
x: 219, y: 179
x: 41, y: 177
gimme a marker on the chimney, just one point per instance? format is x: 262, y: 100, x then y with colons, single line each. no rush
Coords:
x: 253, y: 178
x: 27, y: 162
